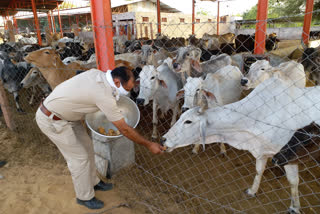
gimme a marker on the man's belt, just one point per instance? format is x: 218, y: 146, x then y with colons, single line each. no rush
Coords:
x: 47, y: 112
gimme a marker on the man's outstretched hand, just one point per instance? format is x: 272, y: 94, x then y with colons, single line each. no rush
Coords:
x: 156, y: 148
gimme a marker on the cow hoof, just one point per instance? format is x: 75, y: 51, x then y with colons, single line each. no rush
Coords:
x: 154, y: 137
x: 223, y: 154
x: 249, y: 193
x: 194, y: 151
x: 293, y: 211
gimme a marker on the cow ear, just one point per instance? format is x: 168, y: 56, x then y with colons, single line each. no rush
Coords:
x: 180, y: 94
x: 209, y: 95
x: 196, y: 65
x: 155, y: 51
x: 163, y: 84
x: 137, y: 52
x: 197, y: 54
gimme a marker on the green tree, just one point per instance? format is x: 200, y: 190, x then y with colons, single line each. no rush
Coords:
x: 283, y: 8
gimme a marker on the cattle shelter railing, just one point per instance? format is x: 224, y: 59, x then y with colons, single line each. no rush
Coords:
x: 203, y: 78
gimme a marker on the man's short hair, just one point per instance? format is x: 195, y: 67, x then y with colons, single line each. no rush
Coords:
x: 123, y: 73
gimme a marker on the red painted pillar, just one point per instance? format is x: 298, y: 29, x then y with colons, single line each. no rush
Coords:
x: 101, y: 17
x: 193, y: 3
x: 218, y: 17
x: 307, y: 21
x: 59, y: 20
x: 49, y: 22
x: 261, y: 27
x: 35, y: 15
x: 159, y: 17
x: 15, y: 24
x: 54, y: 23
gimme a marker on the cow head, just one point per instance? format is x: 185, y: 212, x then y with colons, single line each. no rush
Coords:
x: 149, y: 83
x: 186, y: 59
x: 258, y: 72
x: 147, y: 54
x: 189, y: 92
x: 30, y: 78
x: 189, y: 129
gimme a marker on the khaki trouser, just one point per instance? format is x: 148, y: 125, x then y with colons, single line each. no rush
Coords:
x: 76, y: 147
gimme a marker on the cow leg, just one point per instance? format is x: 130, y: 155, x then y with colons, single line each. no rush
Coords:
x: 195, y: 149
x: 292, y: 173
x: 260, y: 167
x: 16, y: 99
x: 32, y: 95
x: 223, y: 150
x: 175, y: 113
x: 154, y: 119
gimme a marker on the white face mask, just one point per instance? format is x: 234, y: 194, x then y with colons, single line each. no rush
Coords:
x: 121, y: 90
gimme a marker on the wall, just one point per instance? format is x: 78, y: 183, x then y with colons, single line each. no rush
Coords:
x: 282, y: 33
x: 173, y: 27
x: 144, y: 6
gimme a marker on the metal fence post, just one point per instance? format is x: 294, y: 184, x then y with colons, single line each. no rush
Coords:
x: 307, y: 21
x: 261, y: 27
x: 102, y: 27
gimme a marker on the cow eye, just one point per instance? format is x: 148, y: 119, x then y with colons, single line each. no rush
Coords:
x: 152, y: 78
x: 47, y: 52
x: 187, y: 122
x: 262, y: 69
x: 198, y: 89
x: 188, y: 54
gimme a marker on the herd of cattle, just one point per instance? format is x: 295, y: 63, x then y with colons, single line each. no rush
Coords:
x: 207, y: 73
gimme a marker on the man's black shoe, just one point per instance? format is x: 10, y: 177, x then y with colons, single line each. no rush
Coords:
x: 103, y: 186
x: 91, y: 204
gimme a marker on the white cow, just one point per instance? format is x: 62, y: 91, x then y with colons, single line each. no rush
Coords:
x: 217, y: 89
x: 151, y: 56
x: 119, y: 43
x: 262, y: 123
x: 261, y: 70
x: 187, y: 62
x: 161, y: 86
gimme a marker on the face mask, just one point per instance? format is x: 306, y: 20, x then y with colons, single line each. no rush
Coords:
x: 121, y: 90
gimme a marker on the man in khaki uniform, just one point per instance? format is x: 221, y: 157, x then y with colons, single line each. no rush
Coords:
x: 59, y: 118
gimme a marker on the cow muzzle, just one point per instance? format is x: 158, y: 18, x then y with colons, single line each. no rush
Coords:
x: 162, y: 141
x: 176, y: 66
x: 244, y: 81
x: 140, y: 101
x: 143, y: 62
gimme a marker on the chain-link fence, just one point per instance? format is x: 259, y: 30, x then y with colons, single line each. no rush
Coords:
x: 199, y: 88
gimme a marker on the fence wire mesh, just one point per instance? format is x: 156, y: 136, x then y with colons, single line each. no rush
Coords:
x: 185, y: 79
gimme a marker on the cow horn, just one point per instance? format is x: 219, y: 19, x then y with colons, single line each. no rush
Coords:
x: 141, y: 43
x: 152, y: 42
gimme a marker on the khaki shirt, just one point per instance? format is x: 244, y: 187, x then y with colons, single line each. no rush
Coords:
x: 85, y: 93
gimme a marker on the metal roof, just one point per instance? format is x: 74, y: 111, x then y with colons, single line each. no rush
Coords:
x: 25, y: 5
